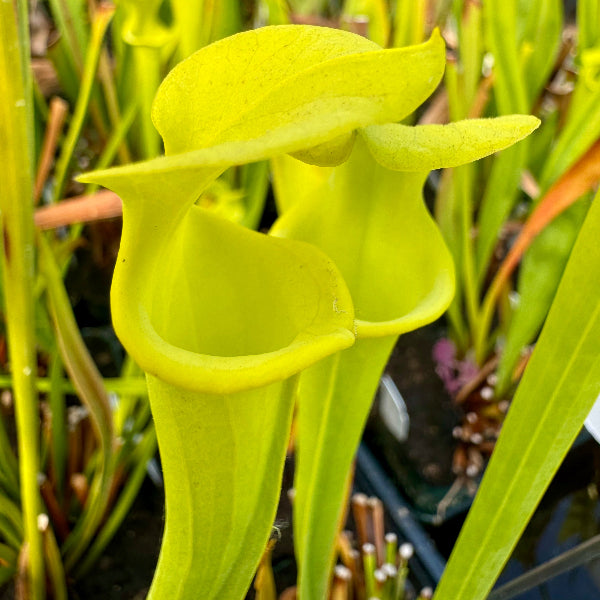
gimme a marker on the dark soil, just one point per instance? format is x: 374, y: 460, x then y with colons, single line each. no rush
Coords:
x: 422, y: 465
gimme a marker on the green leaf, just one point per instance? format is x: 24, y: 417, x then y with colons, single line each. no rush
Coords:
x: 294, y: 180
x: 539, y: 276
x: 222, y: 458
x: 558, y: 389
x: 217, y: 365
x: 588, y: 23
x: 308, y: 87
x: 307, y: 84
x: 273, y: 307
x: 142, y: 25
x: 501, y: 24
x: 161, y: 278
x: 429, y: 147
x: 377, y: 14
x: 542, y: 21
x: 200, y: 23
x: 373, y: 223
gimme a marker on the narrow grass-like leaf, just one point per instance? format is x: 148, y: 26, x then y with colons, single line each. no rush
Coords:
x: 588, y: 23
x: 539, y: 275
x: 17, y: 250
x: 500, y: 24
x: 542, y: 23
x: 409, y: 22
x: 557, y: 391
x: 90, y: 388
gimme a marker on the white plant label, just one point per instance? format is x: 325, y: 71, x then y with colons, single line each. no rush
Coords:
x: 592, y: 423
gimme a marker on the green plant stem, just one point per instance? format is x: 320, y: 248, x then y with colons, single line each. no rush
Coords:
x: 116, y: 385
x: 70, y: 28
x: 112, y: 103
x: 147, y: 74
x: 8, y: 556
x: 16, y: 205
x: 114, y: 143
x: 56, y: 570
x: 100, y: 23
x: 92, y: 393
x: 8, y: 461
x: 463, y: 177
x: 409, y: 23
x: 255, y: 184
x: 59, y: 434
x: 144, y: 452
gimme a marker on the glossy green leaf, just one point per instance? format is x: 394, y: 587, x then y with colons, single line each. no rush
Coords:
x: 373, y: 223
x: 558, y: 389
x: 429, y: 147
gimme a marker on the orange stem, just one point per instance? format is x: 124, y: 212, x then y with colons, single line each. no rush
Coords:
x: 80, y: 209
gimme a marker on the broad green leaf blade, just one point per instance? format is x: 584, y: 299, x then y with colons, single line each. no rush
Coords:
x: 373, y: 223
x: 429, y: 147
x: 292, y: 82
x: 556, y: 393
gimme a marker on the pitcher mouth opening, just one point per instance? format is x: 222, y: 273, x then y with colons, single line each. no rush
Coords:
x: 225, y: 309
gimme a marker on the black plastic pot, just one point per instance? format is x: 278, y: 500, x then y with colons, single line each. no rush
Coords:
x: 558, y: 556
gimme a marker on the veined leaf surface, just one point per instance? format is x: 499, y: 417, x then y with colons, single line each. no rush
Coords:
x: 558, y: 390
